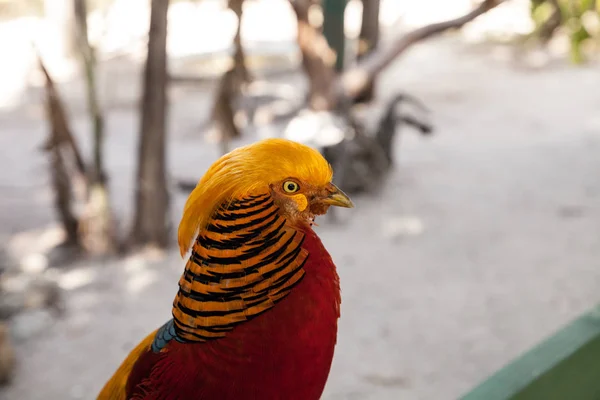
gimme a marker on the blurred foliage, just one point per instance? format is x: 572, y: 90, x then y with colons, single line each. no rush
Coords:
x: 578, y: 19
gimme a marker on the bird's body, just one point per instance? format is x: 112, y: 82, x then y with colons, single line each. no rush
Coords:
x: 257, y: 309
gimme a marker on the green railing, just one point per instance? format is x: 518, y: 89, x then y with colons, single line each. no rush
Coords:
x: 565, y: 366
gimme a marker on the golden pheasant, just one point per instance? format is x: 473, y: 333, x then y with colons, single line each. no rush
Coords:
x: 256, y: 313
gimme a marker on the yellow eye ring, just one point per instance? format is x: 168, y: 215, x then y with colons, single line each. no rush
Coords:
x: 290, y: 187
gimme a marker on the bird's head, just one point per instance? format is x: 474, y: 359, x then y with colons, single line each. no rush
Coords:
x: 297, y: 177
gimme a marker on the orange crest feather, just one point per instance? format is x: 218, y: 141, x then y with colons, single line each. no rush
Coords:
x: 248, y: 170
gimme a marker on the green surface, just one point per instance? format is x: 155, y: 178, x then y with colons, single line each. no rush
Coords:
x: 333, y: 28
x: 566, y: 366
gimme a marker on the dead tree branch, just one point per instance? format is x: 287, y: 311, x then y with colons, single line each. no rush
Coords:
x: 60, y: 144
x: 61, y: 132
x: 353, y: 82
x: 362, y: 158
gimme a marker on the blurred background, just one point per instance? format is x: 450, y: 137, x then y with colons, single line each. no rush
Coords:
x: 467, y: 133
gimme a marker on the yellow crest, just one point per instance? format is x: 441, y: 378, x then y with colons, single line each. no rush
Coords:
x: 245, y: 171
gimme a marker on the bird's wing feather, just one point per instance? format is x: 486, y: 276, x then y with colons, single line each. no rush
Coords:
x: 116, y: 387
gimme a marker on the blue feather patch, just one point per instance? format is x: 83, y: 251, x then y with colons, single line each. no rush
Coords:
x: 164, y: 335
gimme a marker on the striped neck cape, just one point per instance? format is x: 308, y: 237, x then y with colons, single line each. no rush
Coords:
x: 245, y: 260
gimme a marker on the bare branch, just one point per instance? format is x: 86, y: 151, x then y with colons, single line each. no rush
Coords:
x: 60, y: 135
x: 355, y: 80
x: 58, y: 120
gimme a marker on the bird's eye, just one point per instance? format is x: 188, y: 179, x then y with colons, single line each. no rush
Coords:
x: 290, y: 186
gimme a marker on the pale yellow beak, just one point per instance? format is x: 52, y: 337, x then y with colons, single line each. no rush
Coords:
x: 336, y: 197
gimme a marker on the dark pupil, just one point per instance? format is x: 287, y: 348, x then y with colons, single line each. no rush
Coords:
x: 291, y: 186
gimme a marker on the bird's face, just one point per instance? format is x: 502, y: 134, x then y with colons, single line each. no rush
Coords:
x: 301, y: 201
x: 297, y: 176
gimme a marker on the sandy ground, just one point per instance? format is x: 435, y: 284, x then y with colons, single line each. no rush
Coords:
x: 485, y: 240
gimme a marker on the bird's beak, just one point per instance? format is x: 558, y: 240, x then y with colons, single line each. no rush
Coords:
x: 336, y: 197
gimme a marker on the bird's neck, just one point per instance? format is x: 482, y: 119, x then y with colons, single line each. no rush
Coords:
x: 247, y: 259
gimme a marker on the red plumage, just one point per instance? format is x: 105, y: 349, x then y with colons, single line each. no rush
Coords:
x: 284, y: 353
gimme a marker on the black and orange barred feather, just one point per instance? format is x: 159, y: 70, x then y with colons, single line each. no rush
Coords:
x: 242, y: 263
